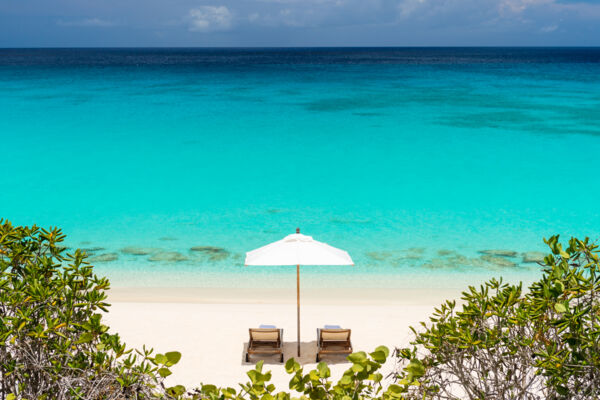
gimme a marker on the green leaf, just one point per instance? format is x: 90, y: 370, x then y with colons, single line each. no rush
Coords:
x: 346, y: 380
x: 564, y: 254
x: 173, y: 357
x: 323, y: 370
x: 415, y: 368
x: 176, y: 391
x: 85, y: 338
x: 559, y: 307
x: 357, y: 368
x: 378, y: 356
x: 11, y: 397
x: 395, y: 389
x: 562, y: 390
x: 164, y: 372
x: 259, y: 365
x: 376, y: 377
x: 291, y: 365
x: 161, y: 359
x: 253, y: 375
x: 385, y: 350
x: 314, y: 376
x: 296, y: 383
x: 209, y: 389
x: 357, y: 357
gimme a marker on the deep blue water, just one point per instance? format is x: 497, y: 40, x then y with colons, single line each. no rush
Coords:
x: 412, y: 159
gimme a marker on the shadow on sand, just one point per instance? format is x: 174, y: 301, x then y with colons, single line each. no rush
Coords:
x: 308, y: 351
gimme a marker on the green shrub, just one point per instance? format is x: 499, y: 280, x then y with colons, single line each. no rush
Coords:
x: 506, y: 344
x: 53, y: 344
x: 361, y: 381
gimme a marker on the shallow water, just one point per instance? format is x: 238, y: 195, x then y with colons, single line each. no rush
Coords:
x: 376, y: 151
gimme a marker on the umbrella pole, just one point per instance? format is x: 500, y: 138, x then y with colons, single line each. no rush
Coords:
x: 298, y: 303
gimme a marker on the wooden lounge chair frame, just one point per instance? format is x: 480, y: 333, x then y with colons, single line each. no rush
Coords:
x: 333, y: 341
x: 271, y: 344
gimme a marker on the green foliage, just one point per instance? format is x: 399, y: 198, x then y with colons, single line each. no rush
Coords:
x: 53, y: 344
x: 361, y: 381
x: 565, y: 305
x: 508, y: 344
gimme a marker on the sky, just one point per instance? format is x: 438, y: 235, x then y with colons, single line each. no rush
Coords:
x: 266, y: 23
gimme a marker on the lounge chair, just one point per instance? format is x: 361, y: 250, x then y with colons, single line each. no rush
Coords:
x: 265, y: 341
x: 333, y: 341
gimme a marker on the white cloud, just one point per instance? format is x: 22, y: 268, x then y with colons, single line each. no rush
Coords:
x: 282, y: 17
x: 518, y: 6
x: 409, y: 6
x: 549, y: 28
x: 210, y: 18
x: 87, y: 22
x: 435, y: 18
x: 314, y: 13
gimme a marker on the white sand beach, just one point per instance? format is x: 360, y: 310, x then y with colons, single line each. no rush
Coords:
x: 210, y: 326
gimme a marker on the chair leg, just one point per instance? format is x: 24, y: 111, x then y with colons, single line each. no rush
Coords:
x: 317, y: 357
x: 281, y: 358
x: 247, y: 358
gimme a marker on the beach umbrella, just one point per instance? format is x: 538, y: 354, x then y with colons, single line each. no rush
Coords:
x: 298, y: 249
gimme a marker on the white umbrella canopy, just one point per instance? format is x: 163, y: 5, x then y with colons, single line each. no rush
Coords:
x: 297, y: 249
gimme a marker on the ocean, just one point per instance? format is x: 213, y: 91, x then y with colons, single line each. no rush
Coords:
x: 415, y: 160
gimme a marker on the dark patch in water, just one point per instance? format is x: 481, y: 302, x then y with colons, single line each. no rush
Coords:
x: 379, y: 255
x: 290, y: 92
x: 446, y: 253
x: 533, y: 257
x: 211, y: 252
x: 454, y: 260
x: 529, y: 117
x: 498, y: 119
x: 498, y: 261
x: 107, y: 257
x: 368, y: 114
x: 499, y: 253
x: 348, y: 103
x: 138, y: 251
x: 92, y: 249
x: 167, y: 256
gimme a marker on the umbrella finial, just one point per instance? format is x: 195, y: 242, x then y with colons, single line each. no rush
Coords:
x: 297, y: 230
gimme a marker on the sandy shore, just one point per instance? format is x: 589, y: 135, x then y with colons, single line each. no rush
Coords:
x: 210, y: 326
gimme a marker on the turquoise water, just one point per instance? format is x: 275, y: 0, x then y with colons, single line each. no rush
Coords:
x: 391, y: 154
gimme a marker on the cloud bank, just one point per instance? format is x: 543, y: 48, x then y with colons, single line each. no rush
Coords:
x: 210, y: 19
x: 301, y: 23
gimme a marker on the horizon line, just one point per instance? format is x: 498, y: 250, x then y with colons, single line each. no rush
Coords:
x: 302, y: 47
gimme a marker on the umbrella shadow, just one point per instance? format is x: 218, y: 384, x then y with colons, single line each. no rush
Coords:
x: 308, y: 351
